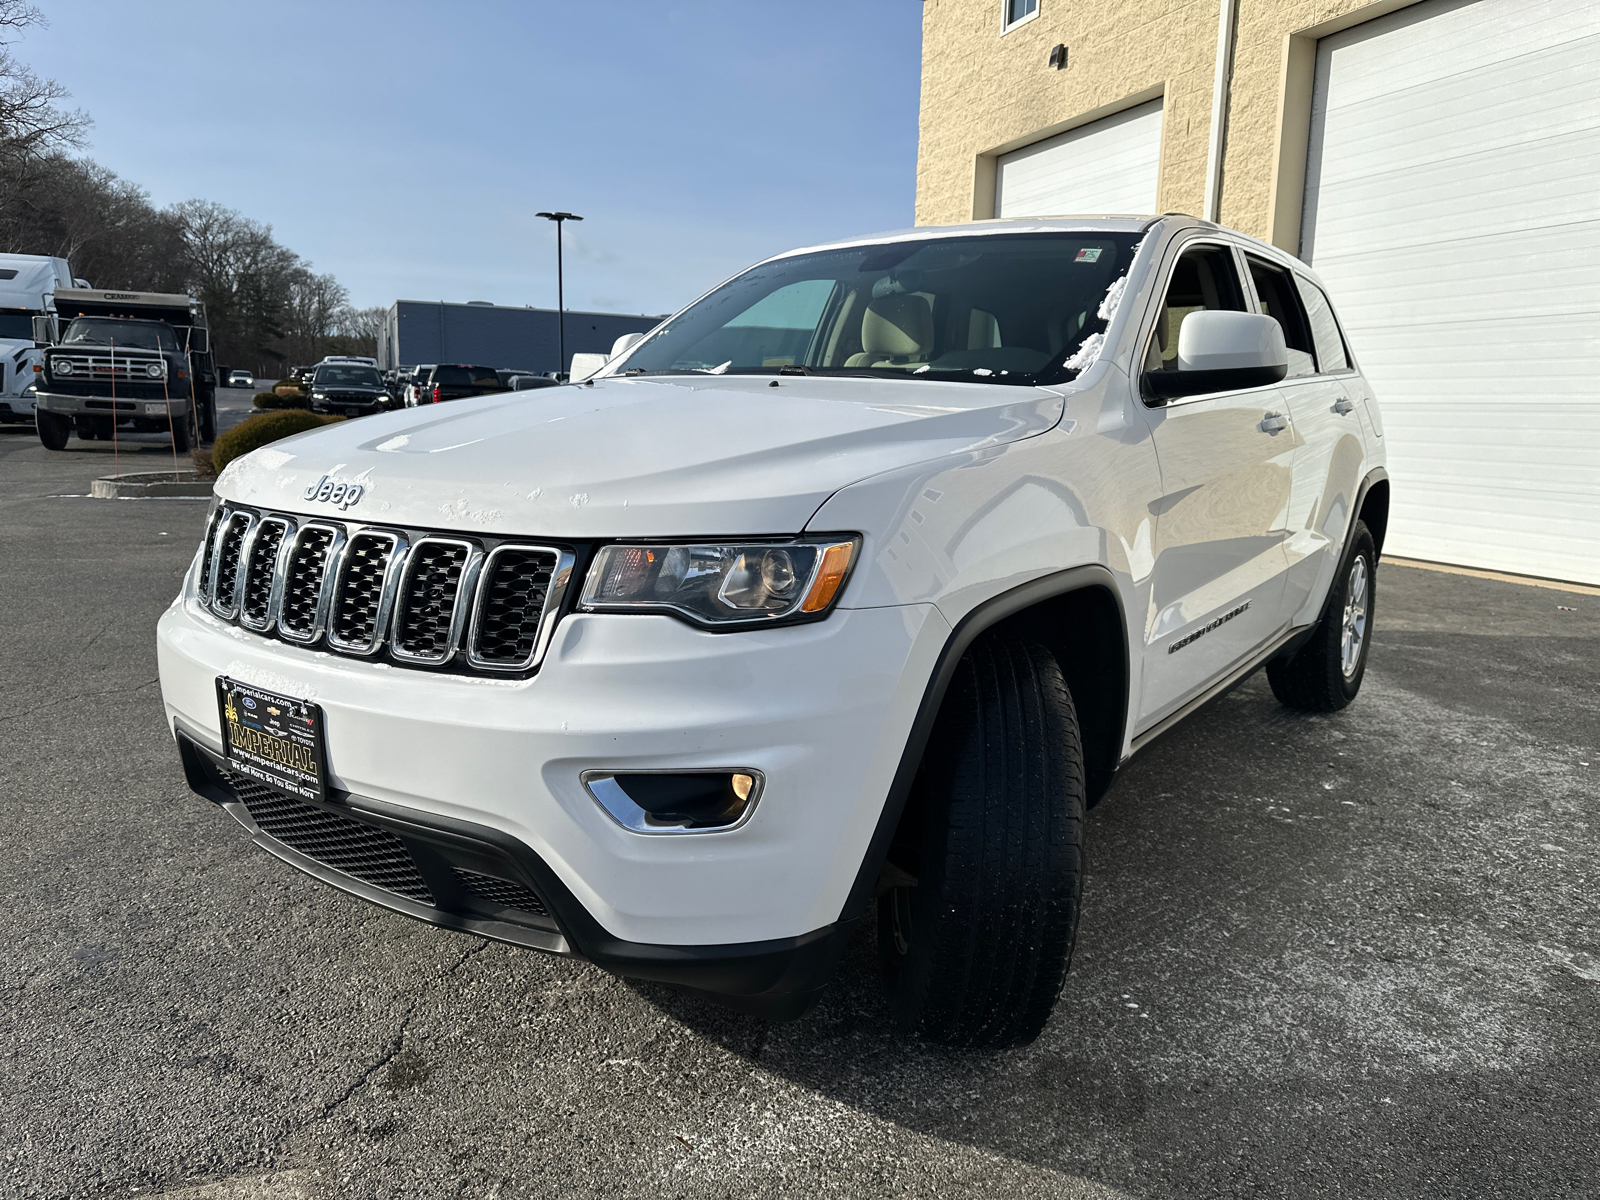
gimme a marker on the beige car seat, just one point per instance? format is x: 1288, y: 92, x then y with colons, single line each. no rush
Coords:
x: 896, y: 329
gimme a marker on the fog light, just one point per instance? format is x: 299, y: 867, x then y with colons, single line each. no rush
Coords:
x: 676, y: 801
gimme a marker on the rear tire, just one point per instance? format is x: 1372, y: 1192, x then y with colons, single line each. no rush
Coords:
x: 54, y: 429
x: 976, y: 952
x: 208, y: 418
x: 1325, y: 674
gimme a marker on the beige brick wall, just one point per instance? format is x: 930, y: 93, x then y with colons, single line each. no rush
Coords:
x: 984, y: 93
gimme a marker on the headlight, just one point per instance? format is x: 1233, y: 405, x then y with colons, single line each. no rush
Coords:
x: 61, y: 366
x: 154, y: 370
x: 723, y: 585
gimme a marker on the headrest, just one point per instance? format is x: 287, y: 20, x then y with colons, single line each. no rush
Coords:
x: 898, y: 325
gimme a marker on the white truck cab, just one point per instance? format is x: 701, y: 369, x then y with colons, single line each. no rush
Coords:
x: 843, y: 592
x: 27, y: 285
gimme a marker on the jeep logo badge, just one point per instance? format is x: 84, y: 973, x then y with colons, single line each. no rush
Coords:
x: 334, y: 492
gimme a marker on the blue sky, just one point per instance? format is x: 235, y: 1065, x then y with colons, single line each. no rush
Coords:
x: 405, y: 146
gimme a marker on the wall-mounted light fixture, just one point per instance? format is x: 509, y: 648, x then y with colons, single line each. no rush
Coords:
x: 1058, y: 57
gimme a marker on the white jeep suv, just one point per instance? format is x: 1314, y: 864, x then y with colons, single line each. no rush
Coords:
x: 853, y: 582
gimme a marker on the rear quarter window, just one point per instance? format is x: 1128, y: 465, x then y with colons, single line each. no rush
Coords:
x: 1325, y: 332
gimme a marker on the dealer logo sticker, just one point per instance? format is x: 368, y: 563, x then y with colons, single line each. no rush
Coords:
x: 334, y: 491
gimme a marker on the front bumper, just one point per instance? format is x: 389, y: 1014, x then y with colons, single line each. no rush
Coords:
x: 154, y: 408
x: 822, y: 710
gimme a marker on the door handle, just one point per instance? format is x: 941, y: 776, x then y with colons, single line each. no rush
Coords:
x: 1344, y: 405
x: 1274, y: 423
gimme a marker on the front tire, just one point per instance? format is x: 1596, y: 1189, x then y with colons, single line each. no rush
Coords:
x: 54, y: 429
x: 1325, y: 674
x: 208, y: 418
x: 184, y: 433
x: 976, y: 950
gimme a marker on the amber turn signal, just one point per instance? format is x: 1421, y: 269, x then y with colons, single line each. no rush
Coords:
x: 830, y: 576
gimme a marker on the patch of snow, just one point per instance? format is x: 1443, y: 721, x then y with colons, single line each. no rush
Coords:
x: 1087, y: 353
x: 1108, y: 306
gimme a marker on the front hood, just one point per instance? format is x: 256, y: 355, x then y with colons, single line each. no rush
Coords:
x: 645, y: 457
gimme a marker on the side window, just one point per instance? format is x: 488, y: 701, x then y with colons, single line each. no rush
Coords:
x: 1331, y: 355
x: 1203, y: 279
x: 1281, y: 302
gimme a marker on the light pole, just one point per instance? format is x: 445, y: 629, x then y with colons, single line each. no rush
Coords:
x: 561, y: 299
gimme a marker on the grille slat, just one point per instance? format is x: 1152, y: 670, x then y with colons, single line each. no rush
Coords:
x: 358, y: 604
x: 361, y: 851
x: 514, y: 586
x: 441, y: 601
x: 302, y: 583
x: 425, y: 620
x: 501, y: 891
x: 226, y: 584
x: 255, y: 604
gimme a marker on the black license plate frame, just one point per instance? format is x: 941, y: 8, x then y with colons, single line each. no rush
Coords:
x: 271, y: 738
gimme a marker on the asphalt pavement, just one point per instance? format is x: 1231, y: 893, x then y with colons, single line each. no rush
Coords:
x: 1355, y: 955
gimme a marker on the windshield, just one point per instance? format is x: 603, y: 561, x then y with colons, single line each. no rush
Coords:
x: 107, y: 331
x: 347, y: 377
x: 16, y: 323
x: 994, y: 308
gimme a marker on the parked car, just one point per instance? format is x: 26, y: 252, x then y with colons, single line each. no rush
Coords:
x: 801, y: 621
x: 351, y: 389
x: 241, y: 379
x: 411, y: 393
x: 525, y: 383
x: 456, y: 381
x: 301, y: 374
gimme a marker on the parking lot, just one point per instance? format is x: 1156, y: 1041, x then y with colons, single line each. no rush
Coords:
x: 1352, y: 956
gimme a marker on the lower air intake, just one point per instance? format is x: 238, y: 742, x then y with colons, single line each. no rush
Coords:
x: 501, y: 891
x: 361, y: 851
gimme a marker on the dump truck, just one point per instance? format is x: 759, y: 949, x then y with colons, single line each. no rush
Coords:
x: 137, y: 361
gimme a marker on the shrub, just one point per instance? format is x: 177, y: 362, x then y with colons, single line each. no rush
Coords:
x: 254, y: 432
x: 200, y: 456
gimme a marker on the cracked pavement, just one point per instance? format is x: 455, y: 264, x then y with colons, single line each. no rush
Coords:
x: 1353, y: 956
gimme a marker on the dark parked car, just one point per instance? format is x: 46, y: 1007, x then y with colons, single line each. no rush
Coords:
x: 349, y: 389
x: 527, y: 383
x: 457, y: 381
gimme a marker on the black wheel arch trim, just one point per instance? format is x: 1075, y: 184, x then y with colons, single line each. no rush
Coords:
x: 777, y: 979
x: 976, y: 622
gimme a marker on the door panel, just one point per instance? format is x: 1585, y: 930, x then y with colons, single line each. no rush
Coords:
x: 1217, y: 584
x: 1329, y: 452
x: 1217, y: 587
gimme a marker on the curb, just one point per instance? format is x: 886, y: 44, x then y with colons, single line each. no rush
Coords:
x: 152, y: 483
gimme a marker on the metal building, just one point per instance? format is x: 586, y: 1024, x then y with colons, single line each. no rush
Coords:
x: 491, y: 335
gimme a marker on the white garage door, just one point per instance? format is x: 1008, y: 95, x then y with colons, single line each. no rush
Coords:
x: 1108, y: 166
x: 1453, y: 205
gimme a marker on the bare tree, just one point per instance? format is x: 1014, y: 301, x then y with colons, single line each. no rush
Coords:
x: 31, y: 124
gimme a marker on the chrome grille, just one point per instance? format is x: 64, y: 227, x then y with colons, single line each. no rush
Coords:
x: 427, y: 619
x: 106, y: 366
x: 512, y: 599
x: 300, y: 609
x: 436, y: 601
x: 261, y: 572
x: 361, y: 599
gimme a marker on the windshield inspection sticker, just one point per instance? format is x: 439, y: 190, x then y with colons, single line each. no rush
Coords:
x: 1090, y: 254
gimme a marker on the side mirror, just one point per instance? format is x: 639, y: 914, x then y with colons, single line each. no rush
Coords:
x: 1222, y: 352
x: 625, y: 343
x: 44, y: 331
x: 199, y: 341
